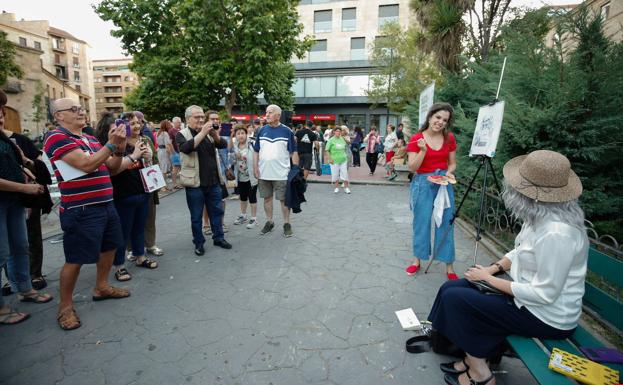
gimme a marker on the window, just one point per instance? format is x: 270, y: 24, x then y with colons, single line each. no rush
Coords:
x: 57, y: 44
x: 75, y: 48
x: 320, y: 86
x: 38, y: 45
x: 318, y: 51
x: 76, y: 76
x: 358, y: 48
x: 60, y: 73
x: 298, y: 87
x: 76, y: 62
x: 354, y: 85
x: 57, y: 58
x: 99, y: 90
x: 605, y: 11
x: 349, y: 19
x: 78, y: 88
x: 322, y: 21
x: 23, y: 42
x: 387, y: 14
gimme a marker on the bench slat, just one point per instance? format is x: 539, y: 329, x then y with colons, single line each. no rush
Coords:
x: 604, y: 304
x: 611, y: 269
x: 536, y: 361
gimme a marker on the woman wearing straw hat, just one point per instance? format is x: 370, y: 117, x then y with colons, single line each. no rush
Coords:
x: 548, y: 266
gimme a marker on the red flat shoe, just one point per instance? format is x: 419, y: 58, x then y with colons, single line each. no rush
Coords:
x: 412, y: 269
x: 452, y: 277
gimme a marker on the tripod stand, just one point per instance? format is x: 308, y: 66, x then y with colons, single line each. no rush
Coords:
x: 486, y: 161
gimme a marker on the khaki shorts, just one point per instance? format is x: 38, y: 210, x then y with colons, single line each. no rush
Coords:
x: 268, y: 187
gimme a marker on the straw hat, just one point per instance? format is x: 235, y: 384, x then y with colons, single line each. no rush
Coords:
x: 544, y: 176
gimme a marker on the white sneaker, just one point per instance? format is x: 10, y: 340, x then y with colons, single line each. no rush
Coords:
x: 252, y: 223
x: 240, y: 220
x: 347, y: 190
x: 337, y: 190
x: 225, y: 228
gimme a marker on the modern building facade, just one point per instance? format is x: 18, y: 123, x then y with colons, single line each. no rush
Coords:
x: 113, y: 82
x: 55, y: 65
x: 332, y: 79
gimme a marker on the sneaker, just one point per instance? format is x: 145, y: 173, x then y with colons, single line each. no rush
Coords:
x: 252, y: 223
x: 222, y: 243
x: 268, y: 227
x: 225, y: 228
x: 287, y: 230
x: 155, y: 250
x: 240, y: 220
x: 207, y: 230
x: 130, y: 257
x: 199, y: 250
x: 347, y: 190
x: 394, y: 176
x: 337, y: 190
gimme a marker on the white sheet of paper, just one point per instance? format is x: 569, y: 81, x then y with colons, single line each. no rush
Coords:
x: 68, y: 172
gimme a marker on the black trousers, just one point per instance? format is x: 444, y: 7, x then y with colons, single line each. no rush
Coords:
x: 478, y: 323
x: 35, y: 243
x: 371, y: 159
x: 356, y: 156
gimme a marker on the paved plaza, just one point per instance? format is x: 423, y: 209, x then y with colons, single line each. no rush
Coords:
x: 317, y: 308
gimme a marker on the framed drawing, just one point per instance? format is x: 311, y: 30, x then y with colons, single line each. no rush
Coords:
x: 427, y: 98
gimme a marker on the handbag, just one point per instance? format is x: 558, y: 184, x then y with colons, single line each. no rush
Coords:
x: 152, y: 178
x: 379, y: 148
x: 229, y: 175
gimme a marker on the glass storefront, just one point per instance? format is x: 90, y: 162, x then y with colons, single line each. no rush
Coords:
x: 380, y: 121
x: 352, y: 120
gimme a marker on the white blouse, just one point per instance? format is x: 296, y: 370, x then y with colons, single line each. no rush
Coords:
x: 548, y: 270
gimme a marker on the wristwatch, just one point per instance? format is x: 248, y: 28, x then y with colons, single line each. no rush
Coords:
x: 500, y: 267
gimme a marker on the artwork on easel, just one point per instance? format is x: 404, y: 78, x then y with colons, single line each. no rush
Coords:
x: 487, y: 130
x: 427, y: 98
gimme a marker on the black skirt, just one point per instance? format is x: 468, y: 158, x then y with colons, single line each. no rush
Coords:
x: 479, y: 323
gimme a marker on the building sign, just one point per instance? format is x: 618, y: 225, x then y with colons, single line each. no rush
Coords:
x: 299, y: 117
x: 323, y: 117
x: 241, y: 117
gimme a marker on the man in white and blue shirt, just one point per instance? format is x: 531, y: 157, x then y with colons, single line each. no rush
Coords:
x: 274, y: 147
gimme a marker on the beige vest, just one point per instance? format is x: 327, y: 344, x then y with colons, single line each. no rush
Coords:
x: 189, y: 174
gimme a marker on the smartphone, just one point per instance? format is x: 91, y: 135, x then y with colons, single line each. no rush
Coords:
x: 225, y: 129
x: 128, y: 129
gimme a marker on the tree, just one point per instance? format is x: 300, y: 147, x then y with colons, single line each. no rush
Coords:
x: 198, y: 51
x: 38, y: 105
x: 8, y: 67
x: 397, y: 55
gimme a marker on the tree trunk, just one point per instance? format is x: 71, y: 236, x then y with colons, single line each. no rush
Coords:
x: 230, y: 101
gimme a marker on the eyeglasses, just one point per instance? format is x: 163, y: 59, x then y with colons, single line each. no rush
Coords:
x: 74, y: 109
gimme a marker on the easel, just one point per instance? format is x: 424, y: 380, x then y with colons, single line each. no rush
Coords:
x: 486, y: 161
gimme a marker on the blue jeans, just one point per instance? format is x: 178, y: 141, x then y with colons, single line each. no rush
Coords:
x: 210, y: 197
x: 14, y: 245
x: 132, y: 211
x: 423, y: 195
x: 223, y: 153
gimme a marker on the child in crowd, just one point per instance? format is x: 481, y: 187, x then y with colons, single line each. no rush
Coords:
x: 247, y: 183
x: 400, y: 157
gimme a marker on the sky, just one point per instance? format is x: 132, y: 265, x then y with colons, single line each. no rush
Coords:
x: 78, y: 18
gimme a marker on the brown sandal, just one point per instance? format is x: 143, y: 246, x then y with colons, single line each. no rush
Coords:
x: 112, y: 293
x: 35, y: 297
x: 68, y: 319
x: 13, y: 317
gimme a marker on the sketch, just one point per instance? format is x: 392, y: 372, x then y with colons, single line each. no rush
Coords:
x: 426, y: 101
x: 487, y: 130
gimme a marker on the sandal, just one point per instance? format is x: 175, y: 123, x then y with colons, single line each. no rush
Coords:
x: 112, y: 293
x: 34, y: 297
x: 178, y: 187
x: 449, y: 368
x: 122, y: 275
x: 38, y: 283
x: 147, y: 263
x: 68, y: 319
x: 453, y: 379
x: 10, y: 317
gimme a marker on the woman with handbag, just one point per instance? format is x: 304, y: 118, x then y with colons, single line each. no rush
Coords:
x: 130, y: 198
x: 14, y: 185
x: 548, y: 268
x: 373, y: 142
x: 432, y: 152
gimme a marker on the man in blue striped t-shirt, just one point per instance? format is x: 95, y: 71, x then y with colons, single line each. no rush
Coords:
x: 274, y: 147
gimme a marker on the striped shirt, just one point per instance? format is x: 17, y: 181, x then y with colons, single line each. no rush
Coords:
x: 274, y: 145
x: 89, y: 189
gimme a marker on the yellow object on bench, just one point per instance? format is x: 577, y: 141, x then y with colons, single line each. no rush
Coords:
x: 581, y: 369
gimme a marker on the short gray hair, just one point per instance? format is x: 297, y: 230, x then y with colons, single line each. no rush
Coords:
x: 274, y: 107
x: 190, y: 109
x: 176, y: 119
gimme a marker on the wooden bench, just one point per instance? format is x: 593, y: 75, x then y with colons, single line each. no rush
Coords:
x: 607, y: 307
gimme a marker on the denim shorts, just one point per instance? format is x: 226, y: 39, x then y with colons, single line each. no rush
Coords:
x: 90, y: 230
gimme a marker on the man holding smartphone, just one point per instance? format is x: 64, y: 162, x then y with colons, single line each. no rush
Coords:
x: 202, y: 174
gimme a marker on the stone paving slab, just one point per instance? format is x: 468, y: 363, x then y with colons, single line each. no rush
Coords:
x: 317, y: 308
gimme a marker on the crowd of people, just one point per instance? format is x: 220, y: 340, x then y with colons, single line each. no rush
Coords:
x: 108, y: 216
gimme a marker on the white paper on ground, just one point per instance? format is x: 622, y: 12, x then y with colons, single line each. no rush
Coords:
x: 68, y: 172
x: 442, y: 202
x: 408, y: 319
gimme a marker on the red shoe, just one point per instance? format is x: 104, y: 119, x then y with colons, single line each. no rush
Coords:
x: 452, y: 277
x: 412, y: 269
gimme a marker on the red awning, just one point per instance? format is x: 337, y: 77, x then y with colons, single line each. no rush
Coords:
x: 241, y: 117
x: 259, y: 117
x: 323, y: 117
x: 299, y: 117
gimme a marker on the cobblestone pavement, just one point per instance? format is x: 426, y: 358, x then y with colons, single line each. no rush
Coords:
x: 317, y: 308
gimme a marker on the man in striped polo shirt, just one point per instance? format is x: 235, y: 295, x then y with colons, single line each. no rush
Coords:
x: 91, y: 226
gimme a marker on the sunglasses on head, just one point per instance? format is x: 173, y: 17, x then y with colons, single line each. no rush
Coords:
x: 74, y: 109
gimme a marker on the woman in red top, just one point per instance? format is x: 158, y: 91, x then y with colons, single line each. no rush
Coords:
x: 432, y: 151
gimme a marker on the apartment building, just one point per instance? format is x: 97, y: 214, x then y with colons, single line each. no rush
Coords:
x: 332, y: 79
x: 55, y: 64
x: 113, y: 82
